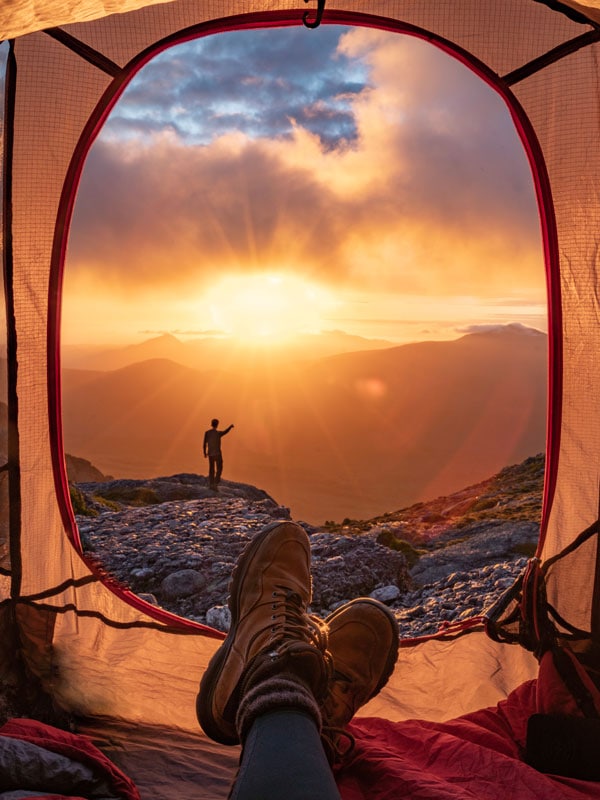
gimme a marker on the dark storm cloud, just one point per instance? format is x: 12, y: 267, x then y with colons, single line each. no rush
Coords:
x: 257, y: 84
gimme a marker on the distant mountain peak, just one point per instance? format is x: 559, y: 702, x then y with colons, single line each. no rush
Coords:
x: 507, y: 329
x: 161, y: 337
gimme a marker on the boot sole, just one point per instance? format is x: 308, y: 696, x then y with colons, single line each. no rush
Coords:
x: 204, y: 699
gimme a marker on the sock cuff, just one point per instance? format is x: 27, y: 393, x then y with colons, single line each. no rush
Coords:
x: 273, y: 694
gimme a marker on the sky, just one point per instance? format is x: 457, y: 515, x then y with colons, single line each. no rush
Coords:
x: 264, y: 183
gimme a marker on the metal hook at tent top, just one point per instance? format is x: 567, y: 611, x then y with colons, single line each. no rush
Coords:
x: 317, y: 20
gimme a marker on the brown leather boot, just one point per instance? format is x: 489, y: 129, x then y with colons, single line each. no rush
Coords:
x: 270, y: 633
x: 363, y: 642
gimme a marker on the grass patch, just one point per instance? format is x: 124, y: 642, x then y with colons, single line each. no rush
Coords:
x: 484, y: 504
x: 462, y: 523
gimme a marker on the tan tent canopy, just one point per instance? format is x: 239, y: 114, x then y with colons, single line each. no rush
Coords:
x: 99, y: 652
x: 19, y: 17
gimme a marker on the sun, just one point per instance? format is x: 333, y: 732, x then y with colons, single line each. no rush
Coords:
x: 268, y: 308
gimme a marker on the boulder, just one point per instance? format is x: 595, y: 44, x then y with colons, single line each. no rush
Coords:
x: 386, y: 594
x: 353, y: 566
x: 219, y: 617
x: 183, y: 583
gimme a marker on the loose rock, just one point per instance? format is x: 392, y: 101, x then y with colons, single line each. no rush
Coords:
x: 180, y: 553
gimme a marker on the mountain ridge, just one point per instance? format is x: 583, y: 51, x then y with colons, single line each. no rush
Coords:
x: 347, y: 435
x: 215, y: 350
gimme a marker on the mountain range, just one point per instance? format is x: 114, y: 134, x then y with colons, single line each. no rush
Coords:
x: 217, y: 352
x: 346, y: 435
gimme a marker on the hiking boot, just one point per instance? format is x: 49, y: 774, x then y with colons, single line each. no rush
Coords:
x: 270, y: 634
x: 363, y: 642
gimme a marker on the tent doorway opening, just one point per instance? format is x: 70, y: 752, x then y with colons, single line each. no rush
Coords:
x: 328, y: 238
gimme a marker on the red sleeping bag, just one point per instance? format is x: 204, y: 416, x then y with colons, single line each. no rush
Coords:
x: 66, y: 765
x: 480, y: 755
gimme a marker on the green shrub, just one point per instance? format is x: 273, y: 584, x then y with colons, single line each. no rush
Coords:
x: 79, y: 503
x: 410, y: 553
x: 136, y: 496
x: 110, y: 504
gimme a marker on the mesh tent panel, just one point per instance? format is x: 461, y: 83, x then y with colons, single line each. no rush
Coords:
x: 20, y: 18
x: 573, y: 165
x: 488, y: 31
x: 49, y: 118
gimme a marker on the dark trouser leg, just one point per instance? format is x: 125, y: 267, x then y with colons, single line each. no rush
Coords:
x: 219, y: 463
x: 283, y: 758
x: 211, y: 470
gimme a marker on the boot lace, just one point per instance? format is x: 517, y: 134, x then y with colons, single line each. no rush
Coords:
x: 341, y: 700
x: 289, y: 620
x: 339, y: 705
x: 332, y: 739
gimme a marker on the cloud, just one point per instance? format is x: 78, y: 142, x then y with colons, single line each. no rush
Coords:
x: 255, y: 84
x: 429, y: 191
x: 171, y: 209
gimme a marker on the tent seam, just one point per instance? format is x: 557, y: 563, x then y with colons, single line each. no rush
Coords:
x: 552, y: 56
x: 191, y: 630
x: 567, y: 11
x: 89, y: 54
x: 68, y: 584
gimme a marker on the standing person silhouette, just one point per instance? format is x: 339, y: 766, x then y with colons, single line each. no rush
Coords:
x: 211, y: 447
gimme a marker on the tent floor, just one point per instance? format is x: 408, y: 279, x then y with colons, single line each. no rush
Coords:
x: 479, y: 755
x: 165, y: 763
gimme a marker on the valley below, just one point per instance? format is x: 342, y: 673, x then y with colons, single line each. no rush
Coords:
x: 348, y: 434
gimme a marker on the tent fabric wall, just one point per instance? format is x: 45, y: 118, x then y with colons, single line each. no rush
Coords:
x: 19, y: 17
x: 99, y: 652
x: 572, y: 166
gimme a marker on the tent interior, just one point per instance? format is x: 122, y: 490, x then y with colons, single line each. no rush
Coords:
x: 113, y: 663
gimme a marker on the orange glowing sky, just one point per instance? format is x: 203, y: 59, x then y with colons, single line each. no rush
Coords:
x: 266, y: 183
